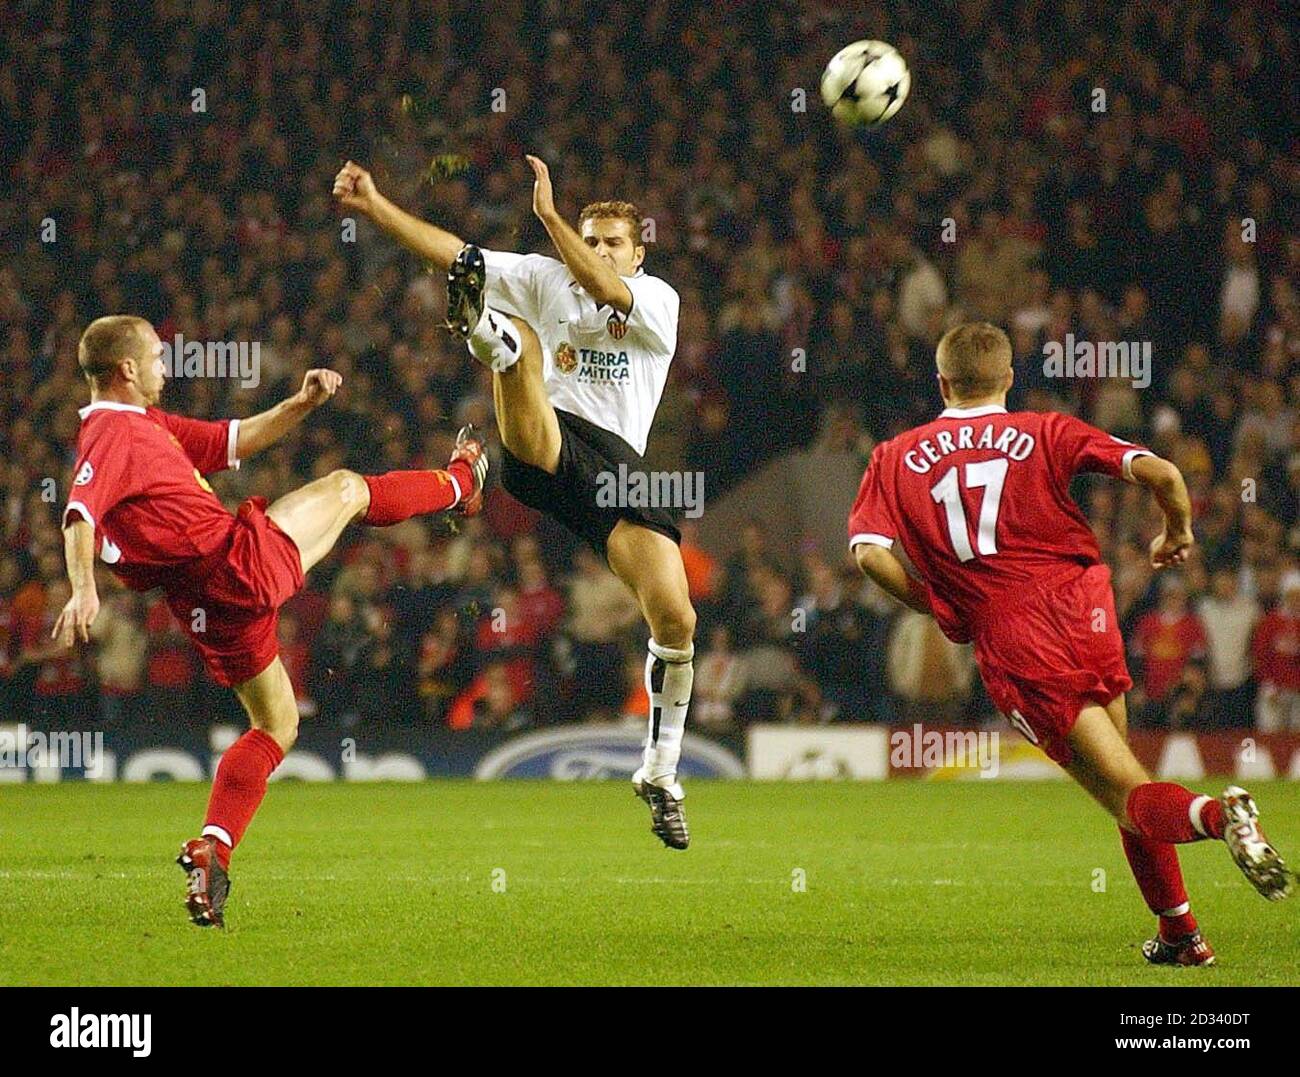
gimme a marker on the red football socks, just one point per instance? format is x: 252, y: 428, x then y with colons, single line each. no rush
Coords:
x: 1165, y: 811
x: 1155, y: 867
x: 398, y: 495
x: 238, y: 789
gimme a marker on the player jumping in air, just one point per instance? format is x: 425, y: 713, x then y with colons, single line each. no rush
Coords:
x: 579, y: 351
x: 139, y: 489
x: 979, y: 502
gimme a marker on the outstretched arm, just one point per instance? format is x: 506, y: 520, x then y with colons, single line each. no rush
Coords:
x: 596, y: 276
x: 266, y: 428
x: 1165, y: 482
x: 355, y: 189
x: 888, y: 573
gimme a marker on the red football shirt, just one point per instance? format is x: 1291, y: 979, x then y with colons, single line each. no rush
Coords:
x: 1166, y: 645
x: 1276, y: 648
x: 139, y: 482
x: 980, y: 501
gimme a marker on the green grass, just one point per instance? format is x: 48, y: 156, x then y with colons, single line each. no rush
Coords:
x: 907, y: 883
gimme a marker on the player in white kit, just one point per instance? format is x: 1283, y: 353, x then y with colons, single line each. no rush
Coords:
x: 579, y: 349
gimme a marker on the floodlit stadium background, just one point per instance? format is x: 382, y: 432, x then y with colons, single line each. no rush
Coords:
x: 817, y: 270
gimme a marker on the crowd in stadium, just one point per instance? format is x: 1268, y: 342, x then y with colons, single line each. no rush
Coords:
x: 1143, y: 187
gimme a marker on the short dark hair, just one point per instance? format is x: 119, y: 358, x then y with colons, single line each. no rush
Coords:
x: 619, y: 211
x: 106, y: 342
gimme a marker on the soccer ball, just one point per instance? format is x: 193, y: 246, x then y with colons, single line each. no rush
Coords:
x: 865, y: 83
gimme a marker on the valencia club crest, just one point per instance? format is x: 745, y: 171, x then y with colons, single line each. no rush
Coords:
x: 566, y: 358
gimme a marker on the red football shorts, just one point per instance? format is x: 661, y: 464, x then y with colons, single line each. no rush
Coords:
x: 232, y: 610
x: 1054, y: 652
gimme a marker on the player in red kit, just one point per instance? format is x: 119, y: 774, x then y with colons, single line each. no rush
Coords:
x: 140, y: 500
x: 979, y: 502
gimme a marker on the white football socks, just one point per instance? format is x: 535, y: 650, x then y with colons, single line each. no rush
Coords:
x: 495, y: 342
x: 669, y: 674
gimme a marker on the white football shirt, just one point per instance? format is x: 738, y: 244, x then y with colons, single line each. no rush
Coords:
x: 597, y: 363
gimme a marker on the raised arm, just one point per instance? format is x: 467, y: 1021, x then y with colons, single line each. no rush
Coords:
x: 267, y: 427
x: 1165, y: 482
x: 80, y: 611
x: 596, y: 276
x: 355, y: 189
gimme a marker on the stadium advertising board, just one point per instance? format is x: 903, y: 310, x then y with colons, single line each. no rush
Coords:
x: 941, y: 753
x: 146, y: 753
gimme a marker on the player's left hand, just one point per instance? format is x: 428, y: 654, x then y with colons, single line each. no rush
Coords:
x: 318, y: 386
x: 1169, y: 550
x: 543, y: 195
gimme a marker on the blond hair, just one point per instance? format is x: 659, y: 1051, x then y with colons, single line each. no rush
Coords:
x: 106, y: 342
x: 974, y: 359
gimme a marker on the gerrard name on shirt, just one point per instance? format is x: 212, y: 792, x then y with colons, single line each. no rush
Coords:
x: 928, y: 452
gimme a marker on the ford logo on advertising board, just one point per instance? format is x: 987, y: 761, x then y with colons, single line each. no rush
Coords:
x: 599, y: 751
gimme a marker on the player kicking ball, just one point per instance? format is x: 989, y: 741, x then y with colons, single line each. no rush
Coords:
x: 139, y: 489
x: 579, y: 350
x: 979, y: 502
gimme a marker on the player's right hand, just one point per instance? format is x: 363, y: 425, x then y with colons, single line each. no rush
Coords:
x: 354, y: 188
x: 76, y: 618
x: 1168, y: 550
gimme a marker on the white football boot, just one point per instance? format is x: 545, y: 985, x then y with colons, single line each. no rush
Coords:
x: 1250, y: 850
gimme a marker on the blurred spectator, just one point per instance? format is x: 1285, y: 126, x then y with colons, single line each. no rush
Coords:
x: 1229, y: 618
x: 1166, y: 639
x: 338, y: 655
x: 171, y: 666
x: 297, y: 662
x: 489, y: 703
x: 929, y: 674
x: 702, y: 571
x: 540, y: 604
x: 121, y: 649
x: 1189, y: 705
x: 60, y: 685
x: 1277, y: 661
x: 720, y: 680
x: 444, y: 665
x: 601, y: 610
x: 844, y: 648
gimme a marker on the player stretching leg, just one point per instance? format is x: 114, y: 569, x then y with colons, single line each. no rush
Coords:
x: 574, y: 405
x: 979, y: 501
x: 139, y: 487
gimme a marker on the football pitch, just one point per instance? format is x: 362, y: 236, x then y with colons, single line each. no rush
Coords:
x: 457, y: 882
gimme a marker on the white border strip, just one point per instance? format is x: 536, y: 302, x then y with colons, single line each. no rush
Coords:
x: 214, y: 831
x: 1129, y: 457
x: 871, y: 539
x: 232, y: 446
x: 81, y: 508
x: 1194, y: 814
